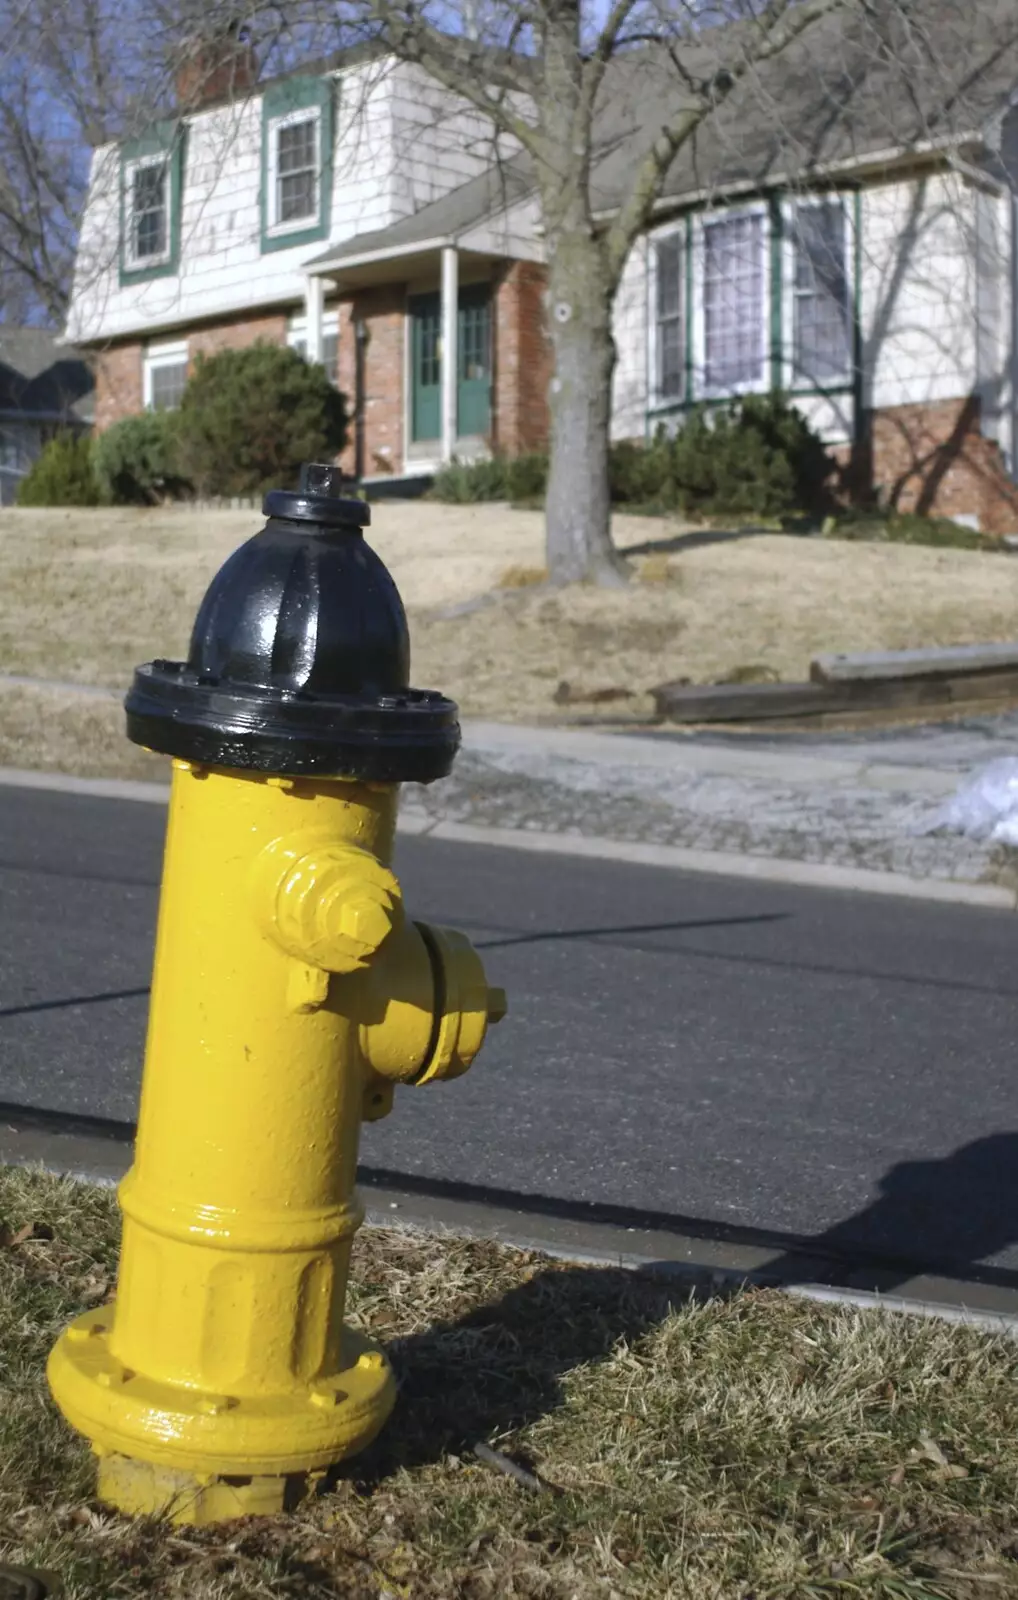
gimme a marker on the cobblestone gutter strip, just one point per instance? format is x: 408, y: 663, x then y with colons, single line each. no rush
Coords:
x: 838, y: 823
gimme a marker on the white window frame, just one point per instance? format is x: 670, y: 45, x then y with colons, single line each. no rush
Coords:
x: 790, y: 380
x: 136, y: 263
x: 170, y: 354
x: 274, y: 228
x: 700, y: 388
x: 680, y: 230
x: 297, y: 330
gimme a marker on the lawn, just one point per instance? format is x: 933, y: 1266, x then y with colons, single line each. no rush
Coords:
x: 85, y: 595
x: 743, y: 1448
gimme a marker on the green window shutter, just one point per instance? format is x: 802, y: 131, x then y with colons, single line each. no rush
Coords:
x: 288, y: 99
x: 161, y: 150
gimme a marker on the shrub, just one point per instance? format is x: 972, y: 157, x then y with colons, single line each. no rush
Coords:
x: 63, y: 475
x: 249, y: 418
x: 493, y: 478
x: 757, y: 457
x: 135, y: 460
x: 906, y: 527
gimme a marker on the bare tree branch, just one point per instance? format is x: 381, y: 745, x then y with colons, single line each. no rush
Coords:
x: 781, y: 24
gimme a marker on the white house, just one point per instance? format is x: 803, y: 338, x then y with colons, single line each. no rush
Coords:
x: 845, y: 228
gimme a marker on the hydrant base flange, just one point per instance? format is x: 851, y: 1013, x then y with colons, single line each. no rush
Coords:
x: 140, y: 1489
x: 178, y: 1431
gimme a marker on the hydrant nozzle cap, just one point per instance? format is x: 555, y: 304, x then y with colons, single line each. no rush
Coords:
x: 300, y: 658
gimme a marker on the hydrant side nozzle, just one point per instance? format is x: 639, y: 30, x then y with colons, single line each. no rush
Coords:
x: 332, y: 906
x: 465, y: 1003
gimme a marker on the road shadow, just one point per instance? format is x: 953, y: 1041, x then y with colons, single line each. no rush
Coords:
x: 501, y: 1366
x: 944, y: 1217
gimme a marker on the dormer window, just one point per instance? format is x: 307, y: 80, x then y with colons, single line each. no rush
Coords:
x: 151, y: 175
x: 149, y: 232
x: 296, y: 170
x: 296, y: 162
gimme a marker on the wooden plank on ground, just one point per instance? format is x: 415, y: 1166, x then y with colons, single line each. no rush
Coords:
x: 881, y: 665
x: 763, y: 702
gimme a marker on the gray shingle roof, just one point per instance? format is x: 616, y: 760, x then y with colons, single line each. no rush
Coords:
x: 444, y: 218
x: 885, y: 77
x: 40, y: 378
x: 862, y: 81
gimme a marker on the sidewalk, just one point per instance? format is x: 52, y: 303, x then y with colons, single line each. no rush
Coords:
x: 845, y: 801
x: 840, y: 810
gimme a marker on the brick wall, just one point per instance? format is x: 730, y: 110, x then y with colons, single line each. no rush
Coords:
x: 119, y: 387
x: 383, y: 311
x: 237, y: 334
x: 934, y: 459
x: 523, y: 361
x: 118, y: 391
x: 521, y: 355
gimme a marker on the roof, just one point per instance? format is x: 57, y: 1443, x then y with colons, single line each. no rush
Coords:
x: 863, y: 83
x: 43, y: 379
x: 443, y: 219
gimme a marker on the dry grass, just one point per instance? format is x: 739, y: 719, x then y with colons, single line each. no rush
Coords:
x: 85, y: 595
x: 731, y: 1450
x: 57, y: 731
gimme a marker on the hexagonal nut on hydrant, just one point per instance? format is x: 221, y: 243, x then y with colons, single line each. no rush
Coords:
x: 366, y: 917
x: 331, y: 907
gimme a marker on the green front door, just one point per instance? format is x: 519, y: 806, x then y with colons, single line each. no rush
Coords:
x: 473, y: 399
x: 426, y: 367
x: 473, y: 389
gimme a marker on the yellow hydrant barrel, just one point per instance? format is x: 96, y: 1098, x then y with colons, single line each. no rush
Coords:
x: 291, y: 993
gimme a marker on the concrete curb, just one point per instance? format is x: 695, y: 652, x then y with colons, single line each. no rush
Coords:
x: 693, y: 1263
x: 670, y: 858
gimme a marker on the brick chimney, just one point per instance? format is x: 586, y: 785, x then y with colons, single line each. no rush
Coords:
x: 216, y: 65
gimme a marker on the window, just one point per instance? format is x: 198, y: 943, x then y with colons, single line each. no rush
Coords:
x: 669, y: 259
x: 734, y: 302
x: 474, y: 338
x: 297, y: 138
x: 149, y: 231
x: 330, y: 356
x: 297, y: 170
x: 151, y: 178
x: 822, y: 349
x: 164, y: 376
x: 296, y: 338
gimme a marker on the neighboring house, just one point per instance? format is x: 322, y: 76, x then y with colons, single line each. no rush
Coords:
x: 845, y: 228
x: 44, y: 387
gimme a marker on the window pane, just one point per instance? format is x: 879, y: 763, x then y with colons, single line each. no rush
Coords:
x: 733, y: 303
x: 330, y: 356
x: 474, y: 340
x: 296, y: 167
x: 670, y: 342
x: 167, y: 385
x: 148, y: 212
x: 822, y: 323
x: 297, y: 146
x: 669, y: 283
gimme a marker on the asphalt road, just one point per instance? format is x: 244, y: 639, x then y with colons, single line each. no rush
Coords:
x: 722, y: 1053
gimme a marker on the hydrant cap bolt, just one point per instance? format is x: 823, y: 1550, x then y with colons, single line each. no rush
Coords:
x: 299, y: 659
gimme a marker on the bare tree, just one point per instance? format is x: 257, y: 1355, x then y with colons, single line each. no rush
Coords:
x: 539, y: 69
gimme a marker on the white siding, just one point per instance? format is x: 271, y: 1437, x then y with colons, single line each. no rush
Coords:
x: 918, y: 291
x: 631, y: 385
x: 381, y: 119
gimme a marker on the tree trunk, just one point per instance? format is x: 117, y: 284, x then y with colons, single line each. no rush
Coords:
x: 577, y: 509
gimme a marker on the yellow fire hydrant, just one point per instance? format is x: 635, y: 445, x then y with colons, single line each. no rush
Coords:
x: 290, y: 994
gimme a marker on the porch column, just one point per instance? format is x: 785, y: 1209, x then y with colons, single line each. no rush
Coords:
x: 450, y: 355
x: 314, y: 307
